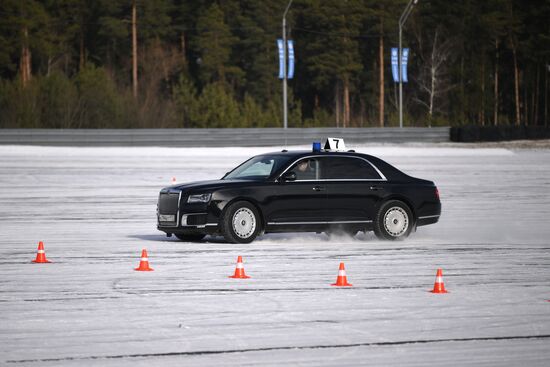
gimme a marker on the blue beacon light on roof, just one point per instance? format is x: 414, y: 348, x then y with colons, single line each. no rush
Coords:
x: 316, y: 146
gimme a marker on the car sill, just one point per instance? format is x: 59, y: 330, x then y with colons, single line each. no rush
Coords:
x: 324, y: 222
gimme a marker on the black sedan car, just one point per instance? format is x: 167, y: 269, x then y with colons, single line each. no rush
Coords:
x: 301, y: 191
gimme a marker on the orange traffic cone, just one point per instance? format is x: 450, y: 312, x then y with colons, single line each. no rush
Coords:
x: 342, y: 280
x: 144, y: 263
x: 173, y: 181
x: 41, y: 254
x: 239, y: 270
x: 439, y: 286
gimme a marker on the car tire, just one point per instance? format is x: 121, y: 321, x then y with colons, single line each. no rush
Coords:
x: 190, y: 237
x: 241, y: 222
x: 394, y: 221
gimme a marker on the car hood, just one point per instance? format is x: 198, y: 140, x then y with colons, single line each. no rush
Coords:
x: 205, y: 185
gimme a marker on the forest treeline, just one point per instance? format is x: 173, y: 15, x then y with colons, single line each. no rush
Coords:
x: 177, y: 63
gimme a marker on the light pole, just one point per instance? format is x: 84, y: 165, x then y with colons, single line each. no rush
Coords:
x: 402, y: 21
x: 285, y: 102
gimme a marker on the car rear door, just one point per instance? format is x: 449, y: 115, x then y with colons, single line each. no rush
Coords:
x: 354, y: 186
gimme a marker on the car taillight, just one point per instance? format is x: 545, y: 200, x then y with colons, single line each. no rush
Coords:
x: 437, y: 193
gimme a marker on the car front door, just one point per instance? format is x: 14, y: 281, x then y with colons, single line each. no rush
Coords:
x: 354, y: 186
x: 300, y: 196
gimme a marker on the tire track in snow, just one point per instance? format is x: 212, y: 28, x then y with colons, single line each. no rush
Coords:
x: 268, y: 349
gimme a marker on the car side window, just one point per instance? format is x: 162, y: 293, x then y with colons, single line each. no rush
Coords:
x: 348, y: 168
x: 260, y: 168
x: 306, y: 169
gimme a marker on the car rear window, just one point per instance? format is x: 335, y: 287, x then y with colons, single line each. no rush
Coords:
x: 347, y: 168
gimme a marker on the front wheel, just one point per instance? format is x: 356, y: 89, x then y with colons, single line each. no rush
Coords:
x: 241, y: 222
x: 394, y: 221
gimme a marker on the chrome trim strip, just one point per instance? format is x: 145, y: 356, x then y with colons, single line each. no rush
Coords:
x: 339, y: 179
x: 200, y: 225
x: 335, y: 155
x: 191, y: 225
x: 166, y: 224
x: 325, y: 222
x: 429, y: 216
x: 178, y: 214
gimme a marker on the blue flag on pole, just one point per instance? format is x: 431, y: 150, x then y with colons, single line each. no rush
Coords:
x: 394, y: 64
x: 290, y: 59
x: 281, y: 58
x: 404, y: 59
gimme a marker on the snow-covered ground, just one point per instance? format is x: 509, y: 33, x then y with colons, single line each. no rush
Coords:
x: 94, y: 208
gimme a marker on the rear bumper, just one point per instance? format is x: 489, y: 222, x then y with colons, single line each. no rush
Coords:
x: 428, y: 219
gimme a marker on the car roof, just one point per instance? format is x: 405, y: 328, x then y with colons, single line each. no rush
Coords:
x: 305, y: 153
x: 387, y: 169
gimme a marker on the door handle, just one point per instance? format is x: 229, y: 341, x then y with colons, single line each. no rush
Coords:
x: 375, y: 188
x: 318, y: 188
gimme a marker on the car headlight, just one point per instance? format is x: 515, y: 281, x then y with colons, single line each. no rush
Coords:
x: 199, y: 198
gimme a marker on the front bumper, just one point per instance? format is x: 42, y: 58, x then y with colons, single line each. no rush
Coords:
x: 175, y: 215
x: 189, y: 222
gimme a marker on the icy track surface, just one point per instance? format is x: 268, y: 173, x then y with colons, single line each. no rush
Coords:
x: 94, y: 208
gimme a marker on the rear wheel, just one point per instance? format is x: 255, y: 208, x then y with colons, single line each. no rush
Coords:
x: 394, y: 221
x: 190, y: 237
x: 241, y: 222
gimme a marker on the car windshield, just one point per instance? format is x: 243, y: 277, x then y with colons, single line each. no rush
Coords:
x: 258, y: 168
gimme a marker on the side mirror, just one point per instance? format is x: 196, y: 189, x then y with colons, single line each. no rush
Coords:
x: 289, y: 176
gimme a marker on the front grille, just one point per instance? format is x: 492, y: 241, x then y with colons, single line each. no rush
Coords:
x: 168, y: 203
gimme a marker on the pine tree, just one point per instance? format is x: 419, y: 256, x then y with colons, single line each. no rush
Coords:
x: 381, y: 20
x: 257, y: 28
x: 213, y: 43
x: 24, y: 31
x: 333, y: 55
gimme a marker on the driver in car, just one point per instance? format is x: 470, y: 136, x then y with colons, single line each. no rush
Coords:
x: 305, y: 170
